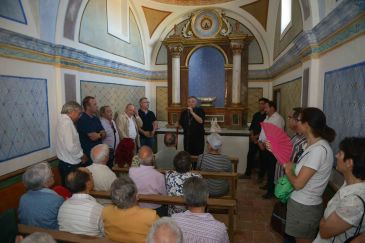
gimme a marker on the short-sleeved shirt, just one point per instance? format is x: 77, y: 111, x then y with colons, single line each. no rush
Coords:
x: 201, y: 227
x: 164, y: 159
x: 349, y: 208
x: 275, y: 119
x: 218, y: 163
x: 88, y: 124
x: 148, y: 118
x: 174, y: 187
x: 39, y: 208
x: 319, y: 157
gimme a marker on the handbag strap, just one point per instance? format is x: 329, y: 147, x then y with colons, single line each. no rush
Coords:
x: 362, y: 217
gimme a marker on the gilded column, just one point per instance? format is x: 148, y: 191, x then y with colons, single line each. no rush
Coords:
x: 236, y: 46
x: 175, y: 51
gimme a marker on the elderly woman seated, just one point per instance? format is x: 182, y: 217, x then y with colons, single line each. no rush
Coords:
x: 215, y: 161
x: 343, y: 217
x: 175, y: 179
x: 125, y: 221
x: 39, y: 205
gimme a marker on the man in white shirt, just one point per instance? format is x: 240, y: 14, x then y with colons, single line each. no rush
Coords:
x: 268, y: 158
x: 112, y: 135
x: 81, y: 214
x: 68, y: 147
x: 103, y: 176
x: 127, y: 125
x: 148, y: 180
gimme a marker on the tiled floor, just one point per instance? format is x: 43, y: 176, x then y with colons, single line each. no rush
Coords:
x: 253, y: 215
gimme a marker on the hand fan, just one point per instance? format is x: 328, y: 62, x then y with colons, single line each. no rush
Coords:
x: 281, y: 145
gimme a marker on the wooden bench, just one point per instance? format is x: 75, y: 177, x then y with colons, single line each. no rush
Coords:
x: 61, y: 235
x: 232, y: 178
x: 174, y: 200
x: 234, y: 161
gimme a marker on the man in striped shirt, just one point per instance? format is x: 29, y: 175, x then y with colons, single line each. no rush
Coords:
x: 196, y: 225
x: 215, y: 161
x: 81, y: 214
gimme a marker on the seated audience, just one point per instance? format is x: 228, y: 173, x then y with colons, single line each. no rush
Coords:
x: 175, y: 179
x: 196, y: 225
x: 125, y: 221
x: 81, y: 214
x: 215, y: 161
x: 345, y: 210
x: 164, y: 158
x: 147, y: 179
x: 39, y: 205
x: 103, y: 176
x: 165, y: 230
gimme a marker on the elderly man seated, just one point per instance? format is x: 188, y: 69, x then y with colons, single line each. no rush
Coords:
x: 165, y: 230
x: 81, y: 214
x: 165, y: 157
x: 148, y: 180
x: 215, y: 161
x: 103, y: 176
x: 196, y: 225
x: 39, y: 205
x: 126, y: 221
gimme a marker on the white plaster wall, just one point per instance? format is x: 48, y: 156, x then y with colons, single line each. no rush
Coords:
x: 266, y: 87
x: 288, y: 76
x: 26, y: 69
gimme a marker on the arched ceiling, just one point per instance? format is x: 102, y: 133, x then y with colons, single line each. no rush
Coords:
x: 192, y: 2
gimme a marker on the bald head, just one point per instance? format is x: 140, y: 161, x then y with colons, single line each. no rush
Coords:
x: 100, y: 154
x: 145, y: 155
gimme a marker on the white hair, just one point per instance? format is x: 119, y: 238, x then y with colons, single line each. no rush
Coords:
x: 39, y: 237
x: 37, y: 176
x: 101, y: 155
x: 167, y: 224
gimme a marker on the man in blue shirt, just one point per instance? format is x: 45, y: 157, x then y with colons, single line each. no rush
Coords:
x: 89, y: 127
x: 149, y: 127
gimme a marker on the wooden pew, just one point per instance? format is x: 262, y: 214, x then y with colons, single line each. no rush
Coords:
x: 234, y: 161
x: 232, y: 178
x: 61, y: 235
x: 174, y: 200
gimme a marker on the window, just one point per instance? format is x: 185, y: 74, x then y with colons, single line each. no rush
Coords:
x: 285, y: 15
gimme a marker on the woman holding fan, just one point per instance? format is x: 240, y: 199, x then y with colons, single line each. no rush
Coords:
x: 310, y: 176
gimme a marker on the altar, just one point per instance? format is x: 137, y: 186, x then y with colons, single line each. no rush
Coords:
x: 209, y: 58
x: 234, y: 143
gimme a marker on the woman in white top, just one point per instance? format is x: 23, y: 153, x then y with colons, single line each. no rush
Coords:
x: 310, y: 176
x: 344, y: 211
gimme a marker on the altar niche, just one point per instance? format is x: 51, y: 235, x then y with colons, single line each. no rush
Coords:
x: 229, y: 85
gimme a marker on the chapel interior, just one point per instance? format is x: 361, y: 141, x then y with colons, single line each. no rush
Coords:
x: 298, y: 53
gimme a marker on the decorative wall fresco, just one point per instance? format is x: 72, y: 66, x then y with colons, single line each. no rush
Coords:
x: 161, y: 103
x: 290, y: 97
x: 254, y: 94
x: 117, y: 96
x: 24, y: 126
x: 13, y: 10
x: 344, y: 101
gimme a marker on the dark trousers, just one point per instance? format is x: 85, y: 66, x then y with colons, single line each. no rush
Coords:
x: 147, y: 141
x: 64, y: 169
x: 253, y: 149
x: 263, y: 164
x: 110, y: 162
x: 270, y: 162
x: 162, y: 211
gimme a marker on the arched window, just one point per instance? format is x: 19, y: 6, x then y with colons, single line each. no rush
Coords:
x: 285, y: 16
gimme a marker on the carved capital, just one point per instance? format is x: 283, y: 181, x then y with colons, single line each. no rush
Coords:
x: 237, y: 46
x: 176, y: 50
